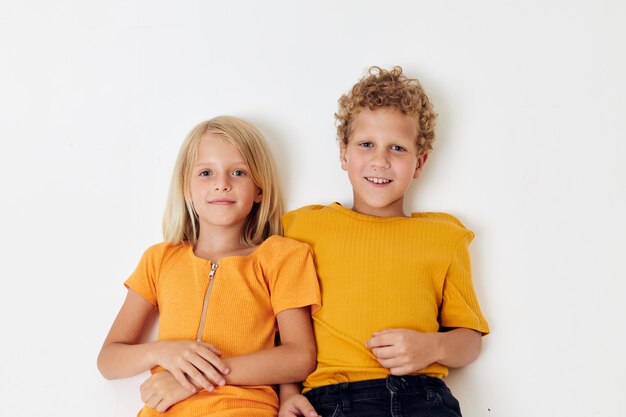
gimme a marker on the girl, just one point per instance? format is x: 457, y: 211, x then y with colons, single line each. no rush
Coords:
x: 224, y: 283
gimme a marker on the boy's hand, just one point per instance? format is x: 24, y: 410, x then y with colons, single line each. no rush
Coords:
x: 197, y: 361
x: 295, y: 406
x: 162, y: 390
x: 404, y: 351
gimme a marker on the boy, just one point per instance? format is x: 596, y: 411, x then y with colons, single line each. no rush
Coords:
x: 398, y: 306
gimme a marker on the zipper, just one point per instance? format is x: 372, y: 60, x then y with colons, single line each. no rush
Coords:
x: 205, y: 307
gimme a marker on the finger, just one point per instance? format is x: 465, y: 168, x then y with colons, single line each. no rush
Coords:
x: 146, y: 392
x: 386, y: 352
x: 214, y: 360
x: 208, y: 372
x: 295, y: 412
x: 143, y: 391
x: 400, y: 370
x: 211, y: 348
x: 162, y: 406
x: 196, y: 375
x: 306, y: 409
x: 385, y: 339
x: 182, y: 379
x: 153, y: 401
x: 390, y: 363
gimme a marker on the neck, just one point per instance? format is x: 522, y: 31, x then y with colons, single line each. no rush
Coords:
x: 216, y: 242
x: 395, y: 209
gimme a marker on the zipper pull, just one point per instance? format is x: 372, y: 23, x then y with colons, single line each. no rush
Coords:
x: 213, y: 268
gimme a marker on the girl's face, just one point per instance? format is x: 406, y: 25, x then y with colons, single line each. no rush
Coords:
x: 222, y: 189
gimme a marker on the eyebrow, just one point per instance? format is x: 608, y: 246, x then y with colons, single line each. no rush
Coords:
x: 235, y: 164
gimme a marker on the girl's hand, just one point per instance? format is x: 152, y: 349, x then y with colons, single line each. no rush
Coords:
x: 295, y: 406
x: 188, y: 358
x: 404, y: 351
x: 162, y: 390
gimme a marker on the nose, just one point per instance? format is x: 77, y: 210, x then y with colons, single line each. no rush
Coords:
x: 222, y: 184
x: 222, y: 187
x: 380, y: 159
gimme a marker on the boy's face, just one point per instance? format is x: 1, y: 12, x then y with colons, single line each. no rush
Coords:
x: 381, y: 160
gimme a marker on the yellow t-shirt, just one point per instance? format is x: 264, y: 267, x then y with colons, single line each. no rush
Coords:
x: 247, y: 293
x: 383, y: 272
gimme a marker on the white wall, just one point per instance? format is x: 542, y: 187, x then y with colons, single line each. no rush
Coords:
x: 96, y: 97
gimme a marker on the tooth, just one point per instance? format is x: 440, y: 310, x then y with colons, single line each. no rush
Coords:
x: 378, y: 180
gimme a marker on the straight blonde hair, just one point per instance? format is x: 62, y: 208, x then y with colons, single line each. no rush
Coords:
x: 180, y: 222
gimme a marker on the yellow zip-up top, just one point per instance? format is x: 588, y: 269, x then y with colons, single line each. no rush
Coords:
x: 383, y: 272
x: 232, y: 304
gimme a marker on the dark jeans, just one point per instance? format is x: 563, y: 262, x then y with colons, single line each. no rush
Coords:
x: 395, y: 396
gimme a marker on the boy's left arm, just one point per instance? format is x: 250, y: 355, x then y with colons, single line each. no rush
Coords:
x: 405, y: 351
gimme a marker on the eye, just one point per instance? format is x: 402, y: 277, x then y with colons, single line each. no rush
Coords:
x: 398, y: 148
x: 205, y: 173
x: 366, y: 144
x: 239, y: 173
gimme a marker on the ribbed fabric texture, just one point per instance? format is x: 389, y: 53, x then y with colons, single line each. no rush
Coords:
x: 247, y: 293
x: 378, y: 273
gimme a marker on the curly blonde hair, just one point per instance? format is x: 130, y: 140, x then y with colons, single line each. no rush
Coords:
x: 383, y: 88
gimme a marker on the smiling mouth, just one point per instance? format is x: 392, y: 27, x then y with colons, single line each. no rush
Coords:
x: 376, y: 180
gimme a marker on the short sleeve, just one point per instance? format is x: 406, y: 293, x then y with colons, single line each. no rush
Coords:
x: 288, y: 220
x: 292, y: 278
x: 460, y: 306
x: 144, y: 279
x: 296, y: 216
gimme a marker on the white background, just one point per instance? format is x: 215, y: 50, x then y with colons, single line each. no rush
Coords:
x: 96, y: 97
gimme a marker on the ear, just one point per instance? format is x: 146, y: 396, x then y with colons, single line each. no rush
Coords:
x: 421, y: 160
x: 342, y: 156
x: 259, y: 196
